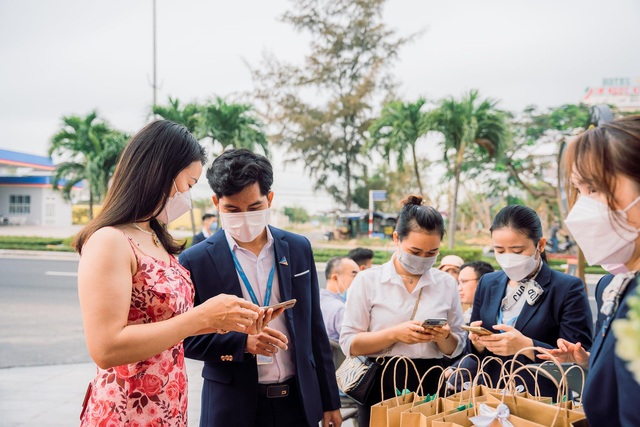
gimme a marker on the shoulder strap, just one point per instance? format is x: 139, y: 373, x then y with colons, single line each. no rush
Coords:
x: 135, y: 247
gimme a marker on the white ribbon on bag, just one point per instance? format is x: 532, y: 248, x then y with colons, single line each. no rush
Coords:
x: 488, y: 416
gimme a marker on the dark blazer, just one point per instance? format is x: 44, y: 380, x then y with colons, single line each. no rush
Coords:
x: 198, y: 238
x: 230, y: 389
x: 611, y: 392
x: 600, y: 287
x: 561, y: 312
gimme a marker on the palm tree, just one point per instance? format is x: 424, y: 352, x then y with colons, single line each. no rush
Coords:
x: 233, y: 125
x: 188, y: 115
x: 468, y: 124
x: 399, y: 127
x: 91, y: 149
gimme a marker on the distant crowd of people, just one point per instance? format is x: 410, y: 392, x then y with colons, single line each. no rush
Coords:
x: 245, y: 298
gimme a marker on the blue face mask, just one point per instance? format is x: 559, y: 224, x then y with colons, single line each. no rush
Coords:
x: 342, y: 294
x: 213, y: 226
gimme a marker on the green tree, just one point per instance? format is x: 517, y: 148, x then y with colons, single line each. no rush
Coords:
x: 91, y: 150
x: 396, y: 182
x: 525, y: 161
x: 296, y: 214
x: 233, y: 125
x: 397, y: 130
x: 469, y: 125
x: 348, y: 65
x: 187, y: 115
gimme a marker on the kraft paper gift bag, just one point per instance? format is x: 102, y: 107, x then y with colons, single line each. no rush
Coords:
x: 387, y: 412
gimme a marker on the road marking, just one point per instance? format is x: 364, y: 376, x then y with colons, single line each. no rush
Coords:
x: 61, y: 273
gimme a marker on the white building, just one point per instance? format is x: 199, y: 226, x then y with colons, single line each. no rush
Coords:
x: 26, y: 194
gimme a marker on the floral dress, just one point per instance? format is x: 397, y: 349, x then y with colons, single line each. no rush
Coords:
x: 152, y: 392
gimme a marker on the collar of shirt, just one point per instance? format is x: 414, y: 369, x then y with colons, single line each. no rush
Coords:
x: 206, y: 233
x: 389, y: 275
x: 265, y: 249
x: 327, y: 293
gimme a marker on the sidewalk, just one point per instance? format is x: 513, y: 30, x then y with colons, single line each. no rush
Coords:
x: 52, y: 395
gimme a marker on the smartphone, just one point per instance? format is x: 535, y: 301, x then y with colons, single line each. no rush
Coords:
x: 432, y: 323
x: 477, y: 330
x: 286, y: 304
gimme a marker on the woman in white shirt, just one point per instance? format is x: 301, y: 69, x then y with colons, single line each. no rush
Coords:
x: 383, y: 300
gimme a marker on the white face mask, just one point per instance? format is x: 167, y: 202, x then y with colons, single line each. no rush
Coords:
x: 415, y: 264
x: 245, y: 226
x: 176, y: 206
x: 615, y: 268
x: 517, y: 266
x: 603, y: 239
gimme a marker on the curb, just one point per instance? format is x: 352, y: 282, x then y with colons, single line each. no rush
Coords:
x: 15, y: 253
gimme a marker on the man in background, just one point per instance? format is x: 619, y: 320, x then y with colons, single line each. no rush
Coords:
x: 470, y: 274
x: 451, y: 264
x: 362, y: 256
x: 209, y: 226
x: 340, y: 272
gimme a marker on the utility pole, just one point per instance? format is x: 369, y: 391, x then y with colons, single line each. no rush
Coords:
x: 155, y: 82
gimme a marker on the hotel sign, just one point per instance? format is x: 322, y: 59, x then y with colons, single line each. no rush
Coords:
x: 615, y: 87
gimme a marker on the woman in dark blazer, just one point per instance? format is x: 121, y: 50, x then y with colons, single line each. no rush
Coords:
x: 526, y: 304
x: 603, y: 167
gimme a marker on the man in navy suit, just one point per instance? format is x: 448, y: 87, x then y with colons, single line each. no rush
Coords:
x: 284, y: 375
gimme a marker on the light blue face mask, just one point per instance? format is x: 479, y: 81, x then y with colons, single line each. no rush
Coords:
x: 342, y: 294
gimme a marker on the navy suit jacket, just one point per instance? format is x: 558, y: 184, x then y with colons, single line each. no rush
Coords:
x: 611, y: 392
x: 198, y: 238
x: 230, y: 389
x: 600, y: 287
x: 562, y: 311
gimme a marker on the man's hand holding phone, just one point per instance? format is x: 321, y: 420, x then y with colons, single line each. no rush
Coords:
x: 268, y: 313
x: 267, y: 342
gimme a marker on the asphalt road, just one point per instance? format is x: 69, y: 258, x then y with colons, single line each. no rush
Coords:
x: 40, y: 321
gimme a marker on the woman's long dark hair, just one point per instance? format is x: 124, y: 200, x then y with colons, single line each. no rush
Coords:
x: 143, y: 180
x: 522, y: 219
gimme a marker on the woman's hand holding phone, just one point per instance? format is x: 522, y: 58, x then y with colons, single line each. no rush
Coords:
x: 410, y: 332
x: 438, y: 334
x: 473, y: 337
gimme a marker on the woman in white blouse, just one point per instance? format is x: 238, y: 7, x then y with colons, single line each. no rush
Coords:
x: 387, y: 305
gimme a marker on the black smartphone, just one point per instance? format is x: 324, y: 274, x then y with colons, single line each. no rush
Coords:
x: 432, y: 323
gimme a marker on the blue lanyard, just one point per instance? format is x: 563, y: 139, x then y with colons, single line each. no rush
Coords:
x: 245, y: 280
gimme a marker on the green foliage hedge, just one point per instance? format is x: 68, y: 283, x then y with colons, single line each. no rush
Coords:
x: 30, y: 243
x: 321, y: 254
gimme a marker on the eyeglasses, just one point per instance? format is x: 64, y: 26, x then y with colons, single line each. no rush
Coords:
x: 462, y: 282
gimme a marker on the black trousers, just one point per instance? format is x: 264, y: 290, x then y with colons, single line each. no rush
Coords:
x: 281, y: 411
x: 429, y: 385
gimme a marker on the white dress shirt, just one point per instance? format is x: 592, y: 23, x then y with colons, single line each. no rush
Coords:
x: 206, y: 232
x: 378, y: 299
x: 257, y: 269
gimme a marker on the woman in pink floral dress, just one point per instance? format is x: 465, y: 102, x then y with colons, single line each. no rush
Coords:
x: 136, y: 300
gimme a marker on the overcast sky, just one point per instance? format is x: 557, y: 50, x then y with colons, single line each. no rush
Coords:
x: 71, y: 56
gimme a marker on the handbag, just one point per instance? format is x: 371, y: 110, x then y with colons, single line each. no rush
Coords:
x: 356, y: 375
